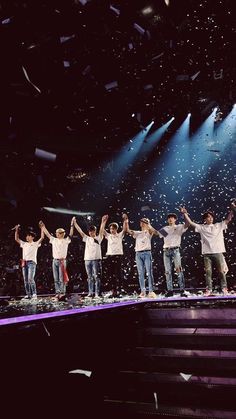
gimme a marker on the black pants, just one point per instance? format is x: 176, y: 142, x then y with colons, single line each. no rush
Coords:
x: 114, y: 272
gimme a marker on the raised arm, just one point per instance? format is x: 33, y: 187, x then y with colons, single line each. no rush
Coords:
x: 72, y: 227
x: 78, y: 228
x: 127, y: 229
x: 186, y: 223
x: 152, y: 230
x: 45, y: 231
x: 125, y: 223
x: 187, y: 219
x: 17, y: 238
x: 102, y: 225
x: 41, y: 236
x: 230, y: 215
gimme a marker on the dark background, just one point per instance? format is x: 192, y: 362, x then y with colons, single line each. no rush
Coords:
x: 84, y: 99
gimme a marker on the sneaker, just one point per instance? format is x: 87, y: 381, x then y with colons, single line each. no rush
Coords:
x: 225, y: 291
x: 34, y: 297
x: 169, y: 294
x: 152, y: 295
x: 142, y: 294
x: 183, y: 294
x: 207, y: 293
x: 26, y: 297
x: 89, y: 296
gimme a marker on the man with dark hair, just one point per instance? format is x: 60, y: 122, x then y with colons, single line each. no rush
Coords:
x: 93, y: 256
x: 143, y: 255
x: 29, y: 260
x: 115, y: 254
x: 60, y: 245
x: 171, y: 252
x: 213, y: 247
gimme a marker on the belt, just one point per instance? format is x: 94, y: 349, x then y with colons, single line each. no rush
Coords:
x: 140, y: 251
x: 171, y: 248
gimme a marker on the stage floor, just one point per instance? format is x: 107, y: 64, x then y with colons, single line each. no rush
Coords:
x: 46, y: 306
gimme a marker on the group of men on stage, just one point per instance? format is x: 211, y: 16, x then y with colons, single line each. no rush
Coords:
x: 212, y: 243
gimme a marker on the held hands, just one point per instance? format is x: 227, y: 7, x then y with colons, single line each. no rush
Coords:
x: 41, y: 224
x: 183, y: 210
x: 73, y: 221
x: 125, y: 217
x: 233, y: 205
x: 105, y: 218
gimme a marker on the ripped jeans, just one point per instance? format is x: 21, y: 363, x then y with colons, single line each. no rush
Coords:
x: 172, y: 256
x: 219, y: 260
x: 28, y: 271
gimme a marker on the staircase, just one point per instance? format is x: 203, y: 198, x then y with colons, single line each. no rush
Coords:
x: 181, y: 363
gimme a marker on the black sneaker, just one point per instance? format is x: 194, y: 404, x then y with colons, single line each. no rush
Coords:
x: 169, y: 294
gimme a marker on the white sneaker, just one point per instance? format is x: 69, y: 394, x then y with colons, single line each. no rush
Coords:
x: 34, y: 297
x: 152, y: 294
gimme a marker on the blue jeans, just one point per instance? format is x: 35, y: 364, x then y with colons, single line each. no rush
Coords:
x: 172, y: 256
x: 219, y: 260
x: 93, y: 270
x: 28, y: 272
x: 60, y: 286
x: 144, y: 265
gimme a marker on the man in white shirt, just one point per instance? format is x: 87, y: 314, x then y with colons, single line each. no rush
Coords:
x: 29, y: 260
x: 115, y: 254
x: 213, y: 247
x: 59, y: 253
x: 143, y: 255
x: 93, y: 256
x: 171, y: 252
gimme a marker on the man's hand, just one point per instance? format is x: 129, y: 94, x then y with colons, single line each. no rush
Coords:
x: 183, y: 210
x: 233, y: 205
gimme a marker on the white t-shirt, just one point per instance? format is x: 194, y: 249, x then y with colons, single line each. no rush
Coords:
x: 212, y: 238
x: 172, y: 235
x: 114, y: 243
x: 30, y: 250
x: 92, y: 248
x: 143, y: 240
x: 59, y: 247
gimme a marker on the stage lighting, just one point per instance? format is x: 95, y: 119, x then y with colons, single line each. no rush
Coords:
x: 68, y: 212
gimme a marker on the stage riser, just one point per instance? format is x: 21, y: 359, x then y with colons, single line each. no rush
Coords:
x: 118, y: 409
x: 198, y: 342
x: 190, y: 317
x: 187, y: 337
x: 177, y: 396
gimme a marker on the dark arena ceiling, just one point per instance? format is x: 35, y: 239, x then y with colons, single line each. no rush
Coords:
x: 85, y: 75
x: 81, y: 78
